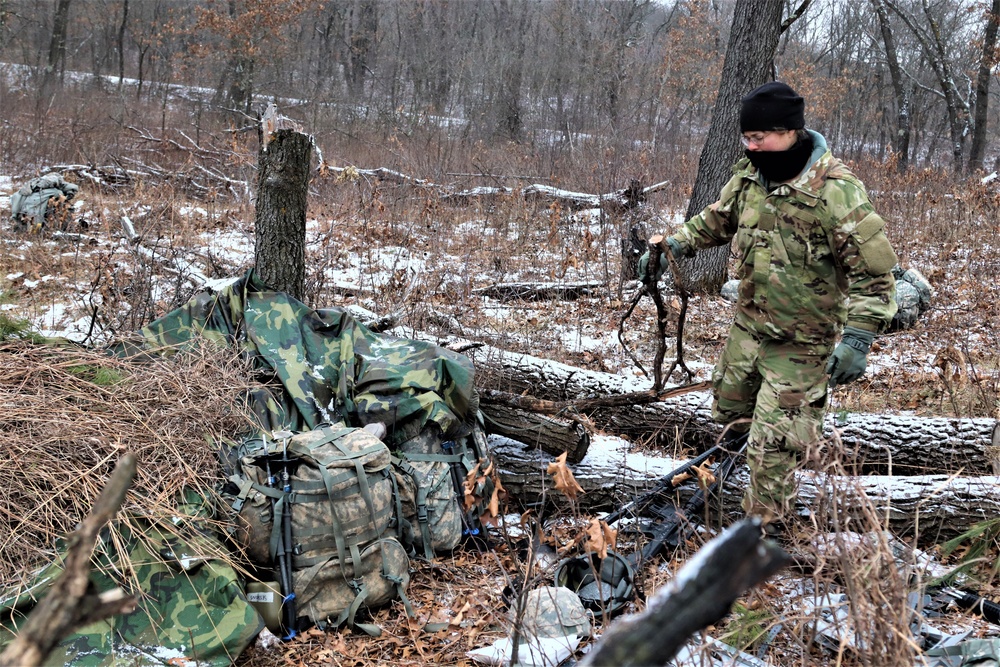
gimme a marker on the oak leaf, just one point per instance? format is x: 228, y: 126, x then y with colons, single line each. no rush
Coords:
x: 600, y: 536
x: 562, y: 477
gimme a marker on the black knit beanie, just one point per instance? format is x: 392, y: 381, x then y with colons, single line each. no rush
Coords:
x: 772, y: 106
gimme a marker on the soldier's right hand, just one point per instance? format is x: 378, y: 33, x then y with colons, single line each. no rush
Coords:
x: 661, y: 268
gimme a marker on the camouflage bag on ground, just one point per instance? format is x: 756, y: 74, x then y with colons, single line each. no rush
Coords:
x: 336, y: 486
x: 43, y: 199
x: 446, y: 487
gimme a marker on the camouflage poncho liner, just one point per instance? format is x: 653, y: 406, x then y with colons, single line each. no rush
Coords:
x: 812, y: 254
x: 330, y: 367
x: 191, y: 609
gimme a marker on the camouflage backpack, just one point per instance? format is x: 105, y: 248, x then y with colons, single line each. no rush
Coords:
x: 320, y: 508
x: 445, y: 487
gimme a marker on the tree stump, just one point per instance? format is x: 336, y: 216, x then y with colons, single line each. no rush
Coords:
x: 280, y: 223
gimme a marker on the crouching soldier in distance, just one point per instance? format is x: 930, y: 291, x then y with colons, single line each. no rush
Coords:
x: 814, y: 265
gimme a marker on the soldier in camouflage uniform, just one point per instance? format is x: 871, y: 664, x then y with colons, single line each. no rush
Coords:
x: 814, y: 264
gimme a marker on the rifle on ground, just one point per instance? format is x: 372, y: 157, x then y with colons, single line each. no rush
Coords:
x: 668, y: 525
x: 968, y: 601
x: 605, y: 584
x: 938, y: 593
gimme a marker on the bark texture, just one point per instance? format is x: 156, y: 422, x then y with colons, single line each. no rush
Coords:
x: 929, y: 507
x: 748, y: 64
x: 280, y: 227
x: 550, y: 434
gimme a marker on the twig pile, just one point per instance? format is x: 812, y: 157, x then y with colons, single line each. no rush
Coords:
x: 68, y: 415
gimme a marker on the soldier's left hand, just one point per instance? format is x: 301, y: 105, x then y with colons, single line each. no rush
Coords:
x: 850, y: 358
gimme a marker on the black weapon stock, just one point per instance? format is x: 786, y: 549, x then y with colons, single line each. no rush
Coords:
x: 663, y: 486
x: 670, y: 525
x: 973, y: 603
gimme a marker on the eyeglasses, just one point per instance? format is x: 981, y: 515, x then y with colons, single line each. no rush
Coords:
x: 755, y: 138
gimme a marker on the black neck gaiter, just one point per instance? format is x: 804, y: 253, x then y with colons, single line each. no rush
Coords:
x: 779, y: 166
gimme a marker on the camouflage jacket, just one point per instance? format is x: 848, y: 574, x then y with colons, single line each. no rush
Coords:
x: 812, y: 254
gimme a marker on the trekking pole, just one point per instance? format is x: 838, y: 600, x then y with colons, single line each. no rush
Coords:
x: 469, y: 528
x: 285, y: 549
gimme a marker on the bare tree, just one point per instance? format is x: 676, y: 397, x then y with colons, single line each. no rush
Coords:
x: 362, y: 28
x: 932, y: 42
x: 120, y: 43
x: 987, y: 62
x: 748, y: 64
x: 901, y: 139
x: 57, y: 47
x: 511, y: 23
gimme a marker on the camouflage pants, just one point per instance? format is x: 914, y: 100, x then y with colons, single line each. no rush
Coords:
x: 782, y: 387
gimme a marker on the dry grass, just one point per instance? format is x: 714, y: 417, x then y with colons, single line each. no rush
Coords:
x: 68, y: 416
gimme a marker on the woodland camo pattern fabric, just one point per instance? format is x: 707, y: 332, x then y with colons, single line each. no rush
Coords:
x: 319, y: 367
x: 191, y: 606
x: 812, y: 256
x: 328, y: 367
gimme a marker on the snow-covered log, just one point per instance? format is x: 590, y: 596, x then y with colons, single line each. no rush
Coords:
x: 620, y: 200
x: 553, y: 435
x: 880, y: 443
x: 932, y: 506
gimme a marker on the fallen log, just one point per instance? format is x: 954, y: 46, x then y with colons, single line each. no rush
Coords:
x: 700, y: 595
x: 539, y: 291
x: 552, y: 434
x: 618, y: 201
x: 875, y: 443
x: 931, y: 507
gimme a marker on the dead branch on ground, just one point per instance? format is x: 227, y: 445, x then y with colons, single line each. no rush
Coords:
x: 71, y: 602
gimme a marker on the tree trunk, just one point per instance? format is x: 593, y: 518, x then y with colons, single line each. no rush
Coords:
x: 120, y: 44
x: 280, y: 223
x: 57, y: 48
x: 934, y: 48
x: 900, y: 142
x: 748, y: 64
x: 874, y: 443
x: 363, y: 27
x: 987, y: 61
x: 552, y: 435
x: 933, y: 507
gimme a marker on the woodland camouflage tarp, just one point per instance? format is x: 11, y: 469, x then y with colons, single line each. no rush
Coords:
x: 319, y: 367
x: 191, y: 610
x: 330, y: 367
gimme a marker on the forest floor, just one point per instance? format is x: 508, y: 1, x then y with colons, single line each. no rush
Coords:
x: 399, y: 251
